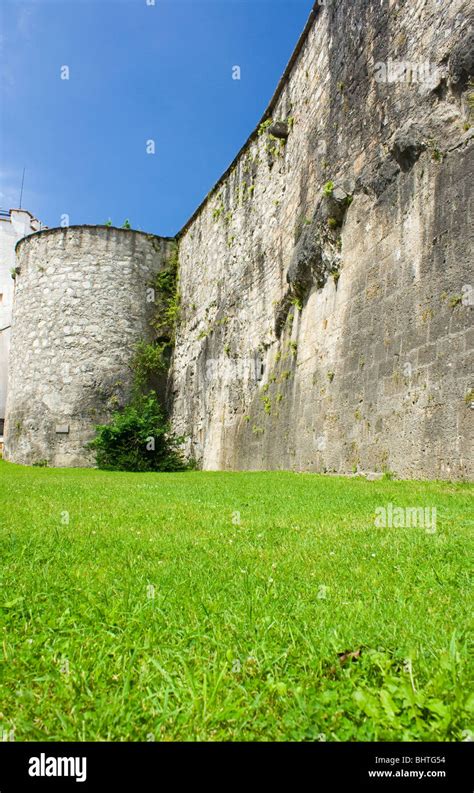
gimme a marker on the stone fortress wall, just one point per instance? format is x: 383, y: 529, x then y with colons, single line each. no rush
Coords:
x: 14, y: 224
x: 333, y: 332
x: 326, y: 306
x: 80, y: 309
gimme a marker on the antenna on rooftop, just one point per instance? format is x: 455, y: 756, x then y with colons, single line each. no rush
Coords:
x: 22, y: 183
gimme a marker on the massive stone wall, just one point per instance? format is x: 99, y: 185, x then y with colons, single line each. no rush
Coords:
x: 14, y: 224
x: 325, y: 282
x: 81, y: 305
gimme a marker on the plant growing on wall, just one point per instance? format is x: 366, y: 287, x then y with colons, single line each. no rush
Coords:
x: 153, y: 358
x: 264, y: 126
x: 328, y: 189
x: 149, y: 360
x: 138, y: 436
x: 167, y: 298
x: 276, y: 133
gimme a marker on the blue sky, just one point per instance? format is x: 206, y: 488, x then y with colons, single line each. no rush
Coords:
x: 136, y: 72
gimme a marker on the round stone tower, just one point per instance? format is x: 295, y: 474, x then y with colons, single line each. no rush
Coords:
x: 81, y: 304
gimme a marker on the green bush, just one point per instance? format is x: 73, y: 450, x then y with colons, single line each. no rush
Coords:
x: 138, y: 438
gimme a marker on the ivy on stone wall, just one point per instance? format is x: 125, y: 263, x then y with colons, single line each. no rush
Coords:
x: 148, y: 361
x: 138, y: 437
x: 152, y: 358
x: 167, y: 298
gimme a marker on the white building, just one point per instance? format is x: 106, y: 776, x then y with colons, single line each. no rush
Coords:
x: 14, y: 224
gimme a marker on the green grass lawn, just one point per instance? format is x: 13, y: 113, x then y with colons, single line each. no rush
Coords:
x: 216, y: 606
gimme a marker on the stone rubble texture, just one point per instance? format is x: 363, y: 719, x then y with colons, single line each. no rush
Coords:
x: 321, y: 329
x: 373, y: 372
x: 80, y: 308
x: 14, y: 224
